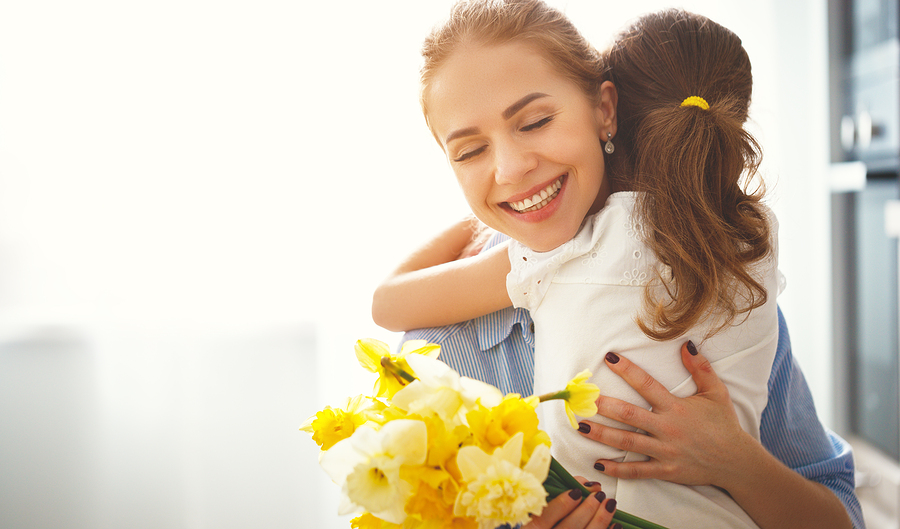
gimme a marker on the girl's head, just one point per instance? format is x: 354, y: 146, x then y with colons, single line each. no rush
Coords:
x: 515, y: 97
x: 692, y: 161
x: 658, y: 62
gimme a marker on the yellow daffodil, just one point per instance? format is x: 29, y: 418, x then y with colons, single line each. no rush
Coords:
x: 335, y: 424
x: 428, y: 502
x: 496, y: 489
x: 367, y: 467
x: 370, y: 353
x: 580, y: 396
x: 493, y: 427
x: 582, y: 399
x: 368, y: 521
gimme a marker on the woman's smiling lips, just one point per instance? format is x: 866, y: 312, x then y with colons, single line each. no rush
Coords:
x: 539, y: 199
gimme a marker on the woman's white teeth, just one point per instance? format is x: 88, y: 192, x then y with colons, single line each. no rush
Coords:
x: 539, y: 200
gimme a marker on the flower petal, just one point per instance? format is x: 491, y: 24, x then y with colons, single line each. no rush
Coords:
x: 472, y: 461
x: 421, y: 347
x: 539, y: 463
x: 369, y: 353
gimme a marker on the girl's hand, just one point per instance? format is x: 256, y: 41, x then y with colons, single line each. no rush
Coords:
x: 693, y: 441
x: 570, y: 511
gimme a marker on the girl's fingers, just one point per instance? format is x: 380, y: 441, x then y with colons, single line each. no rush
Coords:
x: 652, y: 391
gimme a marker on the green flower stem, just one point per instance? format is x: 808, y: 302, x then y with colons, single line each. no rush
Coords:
x: 395, y: 369
x: 627, y: 521
x: 559, y: 395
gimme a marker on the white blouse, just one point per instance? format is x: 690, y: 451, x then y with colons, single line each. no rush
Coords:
x: 584, y: 297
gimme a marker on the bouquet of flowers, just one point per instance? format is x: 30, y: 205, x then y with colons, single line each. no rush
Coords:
x: 433, y: 449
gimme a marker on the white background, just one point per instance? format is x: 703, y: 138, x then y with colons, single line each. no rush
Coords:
x: 178, y: 177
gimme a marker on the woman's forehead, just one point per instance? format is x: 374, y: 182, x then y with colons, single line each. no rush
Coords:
x: 488, y: 79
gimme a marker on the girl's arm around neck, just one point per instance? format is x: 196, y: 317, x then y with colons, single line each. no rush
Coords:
x: 435, y: 287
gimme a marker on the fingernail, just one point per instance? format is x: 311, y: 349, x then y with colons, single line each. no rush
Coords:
x: 584, y: 427
x: 589, y: 484
x: 612, y: 358
x: 600, y: 496
x: 692, y: 348
x: 599, y: 466
x: 616, y: 526
x: 611, y: 505
x: 575, y: 494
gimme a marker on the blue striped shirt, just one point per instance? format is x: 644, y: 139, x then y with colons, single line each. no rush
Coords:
x: 499, y: 349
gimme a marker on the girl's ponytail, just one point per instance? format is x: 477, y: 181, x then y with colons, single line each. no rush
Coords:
x: 684, y: 87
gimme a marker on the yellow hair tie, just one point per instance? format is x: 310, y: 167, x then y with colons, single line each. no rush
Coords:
x: 695, y: 101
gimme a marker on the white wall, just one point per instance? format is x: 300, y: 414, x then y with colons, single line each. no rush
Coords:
x: 256, y: 165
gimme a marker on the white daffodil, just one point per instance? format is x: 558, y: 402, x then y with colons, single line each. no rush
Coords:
x: 440, y: 390
x: 367, y: 467
x: 497, y: 490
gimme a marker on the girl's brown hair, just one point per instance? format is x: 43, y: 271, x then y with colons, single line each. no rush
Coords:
x: 691, y: 165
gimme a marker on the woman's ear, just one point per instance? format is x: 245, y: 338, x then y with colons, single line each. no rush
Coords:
x: 606, y: 109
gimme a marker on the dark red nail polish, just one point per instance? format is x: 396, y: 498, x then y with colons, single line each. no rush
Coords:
x: 584, y: 427
x: 599, y: 466
x: 600, y: 496
x: 611, y: 505
x: 616, y: 526
x: 692, y: 348
x: 612, y: 358
x: 575, y: 494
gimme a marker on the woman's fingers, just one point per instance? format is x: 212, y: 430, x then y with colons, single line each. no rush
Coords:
x: 652, y: 391
x: 621, y: 439
x: 651, y: 469
x: 557, y: 509
x: 701, y: 370
x: 570, y: 510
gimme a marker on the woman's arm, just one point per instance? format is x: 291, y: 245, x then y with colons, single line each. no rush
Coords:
x: 434, y: 287
x: 699, y: 441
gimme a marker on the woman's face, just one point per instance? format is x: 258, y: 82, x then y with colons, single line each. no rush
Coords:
x: 523, y: 140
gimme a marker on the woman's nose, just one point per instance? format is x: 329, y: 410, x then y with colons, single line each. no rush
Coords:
x: 512, y: 163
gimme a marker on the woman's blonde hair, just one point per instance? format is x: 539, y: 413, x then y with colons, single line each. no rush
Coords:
x: 500, y: 21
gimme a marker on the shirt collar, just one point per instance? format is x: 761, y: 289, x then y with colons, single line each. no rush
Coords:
x: 496, y: 327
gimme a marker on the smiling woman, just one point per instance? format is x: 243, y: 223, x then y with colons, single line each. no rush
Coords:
x: 524, y: 112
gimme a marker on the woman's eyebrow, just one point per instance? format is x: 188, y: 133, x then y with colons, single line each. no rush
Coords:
x: 508, y: 113
x: 520, y: 104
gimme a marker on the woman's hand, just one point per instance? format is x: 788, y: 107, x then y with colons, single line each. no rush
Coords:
x: 693, y: 441
x: 570, y: 511
x: 698, y: 441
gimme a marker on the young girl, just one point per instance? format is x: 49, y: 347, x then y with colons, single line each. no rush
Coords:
x: 619, y: 177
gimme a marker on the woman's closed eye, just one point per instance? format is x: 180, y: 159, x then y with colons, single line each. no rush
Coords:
x: 537, y: 124
x: 469, y: 154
